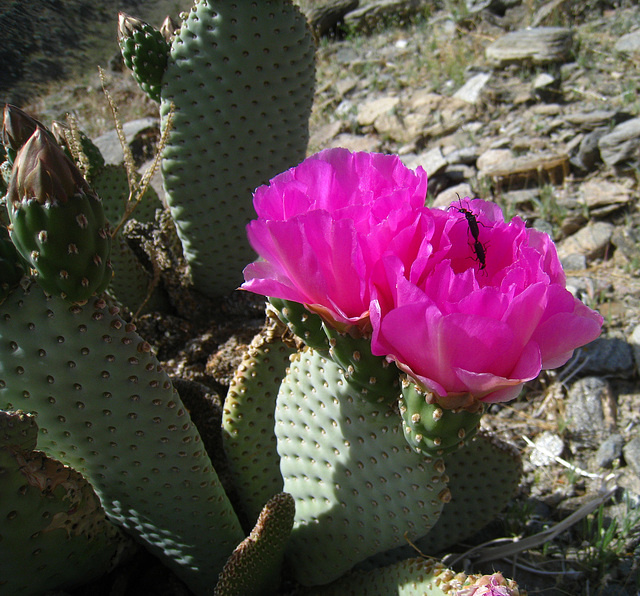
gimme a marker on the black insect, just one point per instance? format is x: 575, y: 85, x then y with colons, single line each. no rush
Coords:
x: 471, y: 220
x: 481, y: 254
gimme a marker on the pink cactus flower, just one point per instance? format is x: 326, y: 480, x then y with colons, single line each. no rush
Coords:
x: 489, y: 585
x: 466, y: 320
x: 323, y: 226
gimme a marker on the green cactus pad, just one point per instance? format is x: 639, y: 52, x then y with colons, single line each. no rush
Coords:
x: 358, y: 486
x: 240, y: 82
x: 111, y: 184
x: 255, y: 566
x: 247, y: 421
x: 431, y: 429
x: 301, y: 322
x: 106, y: 407
x: 378, y: 379
x: 145, y: 52
x: 483, y: 477
x: 54, y: 533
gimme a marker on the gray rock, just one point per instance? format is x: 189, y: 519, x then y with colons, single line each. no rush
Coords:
x: 631, y: 452
x: 370, y: 13
x: 609, y: 451
x: 538, y: 46
x: 588, y: 154
x: 324, y: 17
x: 621, y: 144
x: 610, y: 356
x: 432, y: 161
x: 584, y: 411
x: 574, y: 262
x: 603, y: 196
x: 471, y: 90
x: 465, y: 155
x: 591, y: 241
x: 634, y: 341
x: 109, y: 144
x: 629, y: 43
x: 591, y: 120
x: 498, y: 6
x: 547, y: 446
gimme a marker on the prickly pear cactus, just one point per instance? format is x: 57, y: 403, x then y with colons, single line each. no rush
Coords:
x: 54, y: 532
x: 256, y: 564
x: 247, y: 421
x: 106, y: 407
x: 145, y: 52
x: 358, y: 486
x: 240, y: 79
x: 431, y: 429
x: 57, y: 222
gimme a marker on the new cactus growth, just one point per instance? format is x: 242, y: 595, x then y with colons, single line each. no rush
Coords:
x: 431, y: 429
x: 57, y: 222
x: 145, y: 52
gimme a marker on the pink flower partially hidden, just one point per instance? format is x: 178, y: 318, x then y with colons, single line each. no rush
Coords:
x: 323, y: 226
x: 462, y: 319
x: 489, y: 585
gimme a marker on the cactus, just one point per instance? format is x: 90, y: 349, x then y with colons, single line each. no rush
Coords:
x: 358, y: 486
x: 432, y: 429
x: 255, y: 565
x: 247, y: 424
x: 107, y: 408
x: 53, y: 524
x: 57, y: 222
x: 241, y: 95
x: 145, y: 52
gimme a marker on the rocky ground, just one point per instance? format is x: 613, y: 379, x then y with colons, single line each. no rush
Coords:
x: 546, y: 122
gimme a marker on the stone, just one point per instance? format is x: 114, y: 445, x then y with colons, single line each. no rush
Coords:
x: 325, y: 16
x: 451, y: 194
x: 629, y: 43
x: 526, y: 170
x: 471, y: 90
x: 631, y: 453
x: 591, y: 120
x: 432, y: 161
x: 621, y: 144
x: 548, y: 445
x: 353, y: 142
x: 493, y: 159
x: 574, y: 262
x: 591, y: 241
x: 584, y: 412
x: 603, y: 196
x: 588, y: 154
x: 609, y: 451
x: 109, y: 144
x: 611, y: 356
x: 536, y: 46
x: 369, y: 111
x: 634, y: 342
x: 370, y: 13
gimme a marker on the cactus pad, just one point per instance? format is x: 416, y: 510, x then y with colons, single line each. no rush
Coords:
x: 255, y: 566
x: 106, y: 407
x: 54, y: 532
x: 358, y: 486
x: 145, y: 52
x: 240, y: 78
x: 247, y: 421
